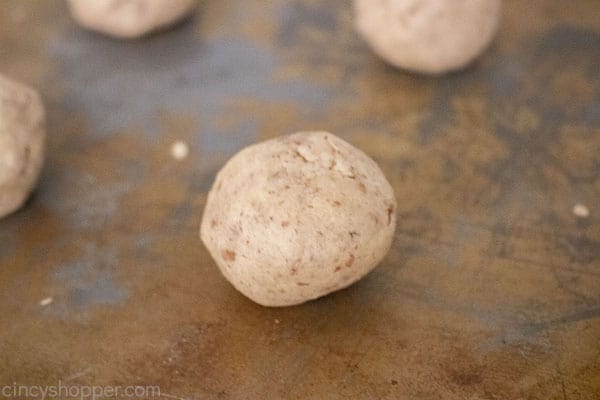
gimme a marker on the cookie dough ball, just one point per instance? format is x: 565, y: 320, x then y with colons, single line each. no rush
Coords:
x: 129, y: 18
x: 22, y: 140
x: 428, y: 36
x: 297, y: 217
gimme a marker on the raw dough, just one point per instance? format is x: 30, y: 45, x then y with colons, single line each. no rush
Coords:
x: 297, y: 217
x: 129, y: 18
x: 429, y: 36
x: 22, y: 141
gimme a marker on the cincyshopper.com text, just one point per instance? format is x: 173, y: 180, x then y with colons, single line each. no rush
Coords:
x: 82, y: 392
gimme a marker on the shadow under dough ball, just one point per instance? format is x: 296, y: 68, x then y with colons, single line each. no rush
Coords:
x: 428, y: 36
x: 22, y: 143
x: 129, y: 18
x: 297, y: 217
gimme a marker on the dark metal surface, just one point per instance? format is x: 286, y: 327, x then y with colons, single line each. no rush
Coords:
x: 491, y: 289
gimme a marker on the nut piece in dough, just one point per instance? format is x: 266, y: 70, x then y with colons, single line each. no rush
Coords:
x: 22, y: 141
x: 297, y: 217
x: 129, y: 18
x: 428, y: 36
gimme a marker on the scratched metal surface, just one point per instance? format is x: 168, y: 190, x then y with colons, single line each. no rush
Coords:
x: 491, y: 289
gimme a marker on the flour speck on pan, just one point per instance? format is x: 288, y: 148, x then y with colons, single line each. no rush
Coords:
x: 581, y: 211
x: 180, y: 150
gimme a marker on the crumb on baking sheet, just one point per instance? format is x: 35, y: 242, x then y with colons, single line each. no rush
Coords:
x: 180, y: 150
x: 581, y: 211
x: 47, y: 301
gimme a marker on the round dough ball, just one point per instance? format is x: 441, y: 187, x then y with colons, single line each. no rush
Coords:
x: 22, y: 141
x: 428, y: 36
x: 297, y: 217
x: 129, y: 18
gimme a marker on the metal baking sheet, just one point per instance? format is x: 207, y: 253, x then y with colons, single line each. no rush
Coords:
x: 490, y: 291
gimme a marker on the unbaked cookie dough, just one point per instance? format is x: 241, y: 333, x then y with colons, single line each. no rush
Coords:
x: 129, y: 18
x: 295, y: 218
x: 428, y: 36
x: 22, y: 141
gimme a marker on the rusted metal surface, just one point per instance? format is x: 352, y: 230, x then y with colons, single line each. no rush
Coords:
x: 491, y: 289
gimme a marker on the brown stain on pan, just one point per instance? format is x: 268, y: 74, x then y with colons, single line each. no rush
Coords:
x: 490, y: 289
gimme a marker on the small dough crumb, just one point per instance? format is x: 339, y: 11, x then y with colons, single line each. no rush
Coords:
x: 581, y: 211
x: 180, y: 150
x: 46, y: 302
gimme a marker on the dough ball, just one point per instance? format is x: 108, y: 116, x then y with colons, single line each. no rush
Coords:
x: 428, y: 36
x: 129, y: 18
x: 297, y: 217
x: 22, y: 141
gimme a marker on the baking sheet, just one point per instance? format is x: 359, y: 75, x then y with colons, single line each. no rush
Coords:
x: 492, y: 286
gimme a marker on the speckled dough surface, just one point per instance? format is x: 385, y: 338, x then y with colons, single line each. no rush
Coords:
x: 429, y: 36
x: 22, y: 137
x: 129, y: 18
x: 297, y: 217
